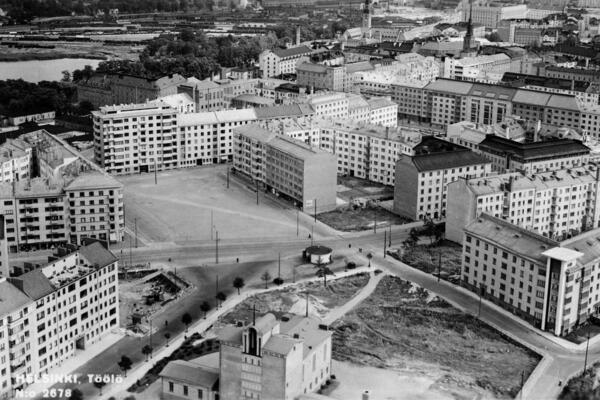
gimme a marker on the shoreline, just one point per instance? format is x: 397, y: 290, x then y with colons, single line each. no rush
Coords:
x: 49, y: 56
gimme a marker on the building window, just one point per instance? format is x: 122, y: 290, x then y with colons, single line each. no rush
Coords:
x: 185, y: 390
x: 171, y: 385
x: 200, y: 393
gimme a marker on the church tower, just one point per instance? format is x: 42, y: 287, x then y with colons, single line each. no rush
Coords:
x: 366, y: 20
x: 468, y: 41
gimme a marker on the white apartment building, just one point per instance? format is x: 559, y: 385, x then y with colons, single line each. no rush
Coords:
x: 473, y: 67
x: 15, y: 160
x: 362, y: 150
x: 554, y: 285
x: 383, y: 111
x: 55, y: 312
x: 422, y: 178
x: 282, y: 61
x: 555, y: 204
x: 333, y: 105
x: 489, y: 16
x: 291, y: 168
x: 135, y: 138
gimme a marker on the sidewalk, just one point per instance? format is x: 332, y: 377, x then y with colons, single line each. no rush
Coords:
x: 138, y: 371
x: 80, y: 358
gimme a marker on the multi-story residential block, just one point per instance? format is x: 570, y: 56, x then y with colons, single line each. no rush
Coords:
x: 472, y: 67
x: 383, y: 111
x: 72, y: 199
x: 282, y: 61
x: 421, y: 184
x: 15, y: 160
x: 105, y: 89
x: 186, y: 379
x: 291, y: 168
x: 469, y: 134
x: 56, y: 310
x: 181, y: 102
x: 548, y: 283
x: 577, y: 74
x: 508, y: 155
x: 490, y: 16
x: 319, y: 76
x: 136, y: 138
x: 555, y: 204
x: 333, y: 105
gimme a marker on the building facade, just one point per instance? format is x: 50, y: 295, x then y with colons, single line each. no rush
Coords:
x: 282, y: 61
x: 546, y: 282
x: 422, y: 179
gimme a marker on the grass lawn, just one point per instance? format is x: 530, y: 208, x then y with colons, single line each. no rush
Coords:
x: 359, y: 219
x: 404, y: 327
x: 426, y: 258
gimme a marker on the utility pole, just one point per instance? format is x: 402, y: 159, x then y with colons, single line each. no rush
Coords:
x: 390, y: 237
x: 228, y: 177
x: 384, y: 242
x: 150, y: 337
x: 587, y: 345
x: 440, y: 265
x: 315, y: 211
x: 130, y: 254
x: 136, y: 239
x: 256, y: 192
x: 297, y: 223
x: 217, y: 290
x: 279, y: 266
x: 217, y: 248
x: 155, y: 173
x: 212, y: 225
x: 375, y: 223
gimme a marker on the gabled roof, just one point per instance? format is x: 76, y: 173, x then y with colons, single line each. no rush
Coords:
x: 96, y: 254
x: 34, y: 284
x: 291, y: 52
x: 11, y: 298
x: 185, y: 371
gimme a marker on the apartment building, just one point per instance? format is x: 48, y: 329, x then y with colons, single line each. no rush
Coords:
x: 42, y: 117
x: 333, y: 105
x: 472, y: 67
x: 319, y: 76
x: 135, y: 138
x: 70, y: 200
x: 490, y: 16
x: 383, y: 111
x: 282, y: 61
x: 15, y: 160
x: 555, y: 204
x: 55, y: 312
x: 446, y: 102
x: 509, y: 155
x: 287, y: 167
x: 422, y: 179
x: 548, y: 283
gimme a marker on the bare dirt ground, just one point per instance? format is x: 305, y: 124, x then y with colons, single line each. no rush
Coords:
x: 321, y: 299
x: 426, y: 258
x: 96, y: 50
x: 403, y: 327
x: 183, y: 204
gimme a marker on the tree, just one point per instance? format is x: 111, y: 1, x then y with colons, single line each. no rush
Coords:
x: 494, y: 37
x: 221, y: 297
x: 167, y: 336
x: 205, y: 307
x: 266, y: 277
x: 146, y: 351
x: 238, y: 283
x: 322, y: 271
x: 125, y: 364
x: 187, y: 320
x: 66, y: 76
x: 99, y: 385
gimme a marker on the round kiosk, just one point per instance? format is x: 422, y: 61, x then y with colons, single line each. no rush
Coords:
x: 318, y: 254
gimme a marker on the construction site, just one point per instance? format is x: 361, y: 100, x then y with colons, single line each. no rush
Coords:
x: 145, y: 291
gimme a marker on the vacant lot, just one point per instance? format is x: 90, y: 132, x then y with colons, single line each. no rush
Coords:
x: 360, y: 219
x: 403, y: 327
x: 350, y: 188
x: 321, y: 299
x: 193, y: 204
x: 427, y: 258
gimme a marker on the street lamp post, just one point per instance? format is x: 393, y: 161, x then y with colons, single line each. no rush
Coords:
x: 217, y: 247
x: 587, y: 345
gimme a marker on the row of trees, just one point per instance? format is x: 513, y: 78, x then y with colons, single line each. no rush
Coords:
x: 20, y: 97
